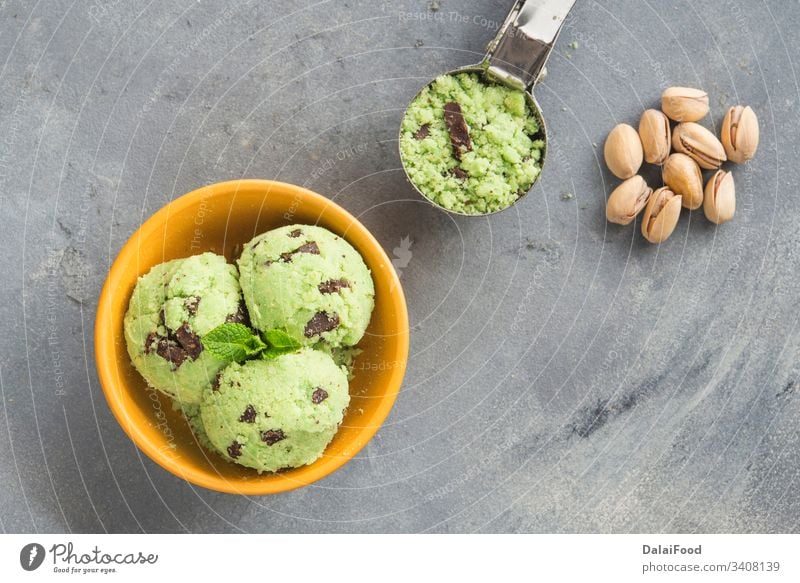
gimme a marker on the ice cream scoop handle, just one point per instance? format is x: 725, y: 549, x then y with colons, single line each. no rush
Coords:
x: 518, y: 54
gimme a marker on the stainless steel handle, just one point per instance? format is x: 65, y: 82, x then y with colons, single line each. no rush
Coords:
x: 518, y: 54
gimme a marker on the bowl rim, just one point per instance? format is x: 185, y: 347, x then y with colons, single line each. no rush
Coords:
x: 107, y: 365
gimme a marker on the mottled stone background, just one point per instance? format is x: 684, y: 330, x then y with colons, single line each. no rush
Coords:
x: 564, y: 377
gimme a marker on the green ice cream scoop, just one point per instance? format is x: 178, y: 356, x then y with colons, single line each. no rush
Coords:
x: 172, y: 307
x: 309, y: 282
x: 501, y: 159
x: 276, y: 414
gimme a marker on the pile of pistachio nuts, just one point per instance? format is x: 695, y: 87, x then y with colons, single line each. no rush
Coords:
x: 682, y: 152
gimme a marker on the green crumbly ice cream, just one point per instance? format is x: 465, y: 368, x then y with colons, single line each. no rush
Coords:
x: 344, y: 356
x: 191, y: 413
x: 171, y: 309
x: 276, y: 414
x: 480, y: 167
x: 309, y: 282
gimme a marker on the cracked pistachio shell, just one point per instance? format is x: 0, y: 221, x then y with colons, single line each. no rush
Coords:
x: 685, y: 103
x: 628, y: 200
x: 661, y: 215
x: 720, y: 200
x: 700, y: 144
x: 683, y: 176
x: 740, y: 133
x: 655, y: 135
x: 623, y: 151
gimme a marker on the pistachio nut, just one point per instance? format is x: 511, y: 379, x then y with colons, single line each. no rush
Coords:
x: 700, y: 144
x: 740, y: 133
x: 655, y: 135
x: 661, y: 215
x: 683, y: 176
x: 720, y: 201
x: 684, y: 103
x: 628, y: 200
x: 623, y: 151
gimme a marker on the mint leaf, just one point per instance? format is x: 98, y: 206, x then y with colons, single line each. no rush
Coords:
x: 233, y: 342
x: 237, y: 343
x: 279, y: 343
x: 278, y: 338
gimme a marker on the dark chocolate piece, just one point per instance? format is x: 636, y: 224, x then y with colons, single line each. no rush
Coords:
x: 215, y: 382
x: 241, y: 316
x: 170, y: 351
x: 249, y: 415
x: 235, y: 449
x: 189, y: 341
x: 296, y: 233
x: 311, y: 248
x: 151, y: 339
x: 319, y: 395
x: 191, y: 305
x: 459, y: 173
x: 423, y: 132
x: 457, y: 126
x: 319, y: 323
x: 333, y: 286
x: 272, y: 436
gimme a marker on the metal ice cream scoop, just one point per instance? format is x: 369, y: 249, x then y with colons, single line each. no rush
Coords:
x: 516, y: 58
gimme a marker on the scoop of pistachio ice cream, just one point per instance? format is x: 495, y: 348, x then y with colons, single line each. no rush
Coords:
x: 470, y: 146
x: 276, y: 414
x: 309, y: 282
x: 172, y: 307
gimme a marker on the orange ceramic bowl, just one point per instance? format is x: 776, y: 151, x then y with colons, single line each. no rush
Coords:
x: 220, y: 218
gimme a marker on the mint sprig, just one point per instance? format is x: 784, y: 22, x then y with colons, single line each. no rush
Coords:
x: 233, y: 342
x: 238, y: 343
x: 279, y: 343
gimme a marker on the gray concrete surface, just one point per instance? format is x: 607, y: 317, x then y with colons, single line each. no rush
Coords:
x: 565, y: 376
